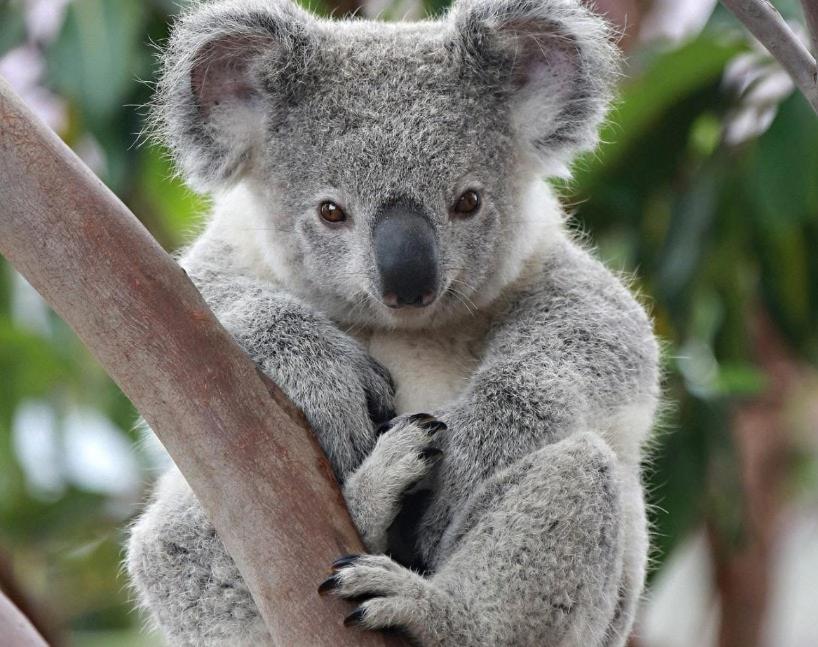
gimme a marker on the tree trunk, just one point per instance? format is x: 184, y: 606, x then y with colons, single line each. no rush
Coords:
x: 243, y: 447
x: 758, y: 427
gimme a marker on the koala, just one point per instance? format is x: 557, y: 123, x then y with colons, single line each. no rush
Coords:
x: 385, y: 245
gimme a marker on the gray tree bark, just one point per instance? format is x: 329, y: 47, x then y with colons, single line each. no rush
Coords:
x: 15, y: 628
x: 246, y: 451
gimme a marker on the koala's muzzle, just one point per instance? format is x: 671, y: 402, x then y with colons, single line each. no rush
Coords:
x: 406, y: 255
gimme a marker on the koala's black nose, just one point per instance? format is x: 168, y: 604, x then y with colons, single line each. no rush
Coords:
x: 406, y: 255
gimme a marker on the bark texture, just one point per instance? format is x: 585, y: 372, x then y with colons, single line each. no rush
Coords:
x: 15, y: 629
x: 244, y: 448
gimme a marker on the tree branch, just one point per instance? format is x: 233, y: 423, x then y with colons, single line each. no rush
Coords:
x: 243, y: 447
x: 42, y: 623
x: 811, y: 17
x: 15, y: 628
x: 767, y: 25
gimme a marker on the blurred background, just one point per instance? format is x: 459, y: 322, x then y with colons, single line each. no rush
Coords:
x: 706, y: 192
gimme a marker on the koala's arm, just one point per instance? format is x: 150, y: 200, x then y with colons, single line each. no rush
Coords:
x: 571, y: 372
x: 178, y: 566
x: 574, y: 356
x: 573, y: 351
x: 342, y: 391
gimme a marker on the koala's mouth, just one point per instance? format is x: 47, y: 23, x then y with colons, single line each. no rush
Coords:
x: 392, y: 304
x: 446, y: 305
x: 431, y: 306
x: 393, y: 300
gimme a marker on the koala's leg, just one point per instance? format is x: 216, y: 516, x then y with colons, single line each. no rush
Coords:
x: 185, y: 578
x: 634, y: 558
x: 535, y: 559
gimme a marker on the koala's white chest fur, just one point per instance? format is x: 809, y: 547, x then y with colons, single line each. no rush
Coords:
x: 429, y: 368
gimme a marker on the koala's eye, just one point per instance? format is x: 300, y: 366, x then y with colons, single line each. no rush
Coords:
x: 467, y: 204
x: 332, y: 213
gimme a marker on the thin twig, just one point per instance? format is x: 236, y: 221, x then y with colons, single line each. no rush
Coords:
x: 767, y: 25
x: 811, y: 17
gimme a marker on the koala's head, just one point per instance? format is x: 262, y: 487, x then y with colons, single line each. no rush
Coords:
x: 390, y: 161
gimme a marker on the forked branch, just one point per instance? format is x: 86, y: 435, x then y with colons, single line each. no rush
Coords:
x: 772, y: 31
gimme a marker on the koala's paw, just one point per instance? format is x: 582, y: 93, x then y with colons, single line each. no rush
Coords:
x: 405, y: 451
x: 402, y: 457
x: 390, y: 595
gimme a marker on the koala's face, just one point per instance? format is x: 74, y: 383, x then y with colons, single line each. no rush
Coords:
x: 392, y: 159
x: 393, y: 174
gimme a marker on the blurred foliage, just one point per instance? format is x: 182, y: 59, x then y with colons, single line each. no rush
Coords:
x: 715, y: 235
x: 712, y: 233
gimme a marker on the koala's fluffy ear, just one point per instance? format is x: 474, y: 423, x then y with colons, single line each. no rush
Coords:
x: 554, y: 59
x: 227, y: 67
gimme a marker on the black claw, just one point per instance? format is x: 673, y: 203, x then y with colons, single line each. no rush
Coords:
x: 421, y: 417
x: 355, y: 618
x: 430, y: 453
x: 343, y: 562
x: 384, y: 427
x: 433, y: 426
x: 328, y: 585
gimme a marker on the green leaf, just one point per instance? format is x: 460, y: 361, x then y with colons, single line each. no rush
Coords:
x: 176, y: 206
x: 98, y: 55
x: 31, y: 365
x: 12, y: 26
x: 784, y: 177
x: 436, y: 7
x: 669, y: 78
x: 693, y: 215
x: 741, y: 380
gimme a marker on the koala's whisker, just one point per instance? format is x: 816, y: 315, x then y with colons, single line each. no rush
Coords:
x: 358, y: 307
x: 351, y: 274
x: 466, y: 285
x: 467, y: 303
x: 463, y: 296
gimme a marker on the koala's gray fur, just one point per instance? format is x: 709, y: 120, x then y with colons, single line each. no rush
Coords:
x: 523, y: 521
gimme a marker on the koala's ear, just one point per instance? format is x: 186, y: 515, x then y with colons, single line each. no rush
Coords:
x: 227, y: 68
x: 554, y: 59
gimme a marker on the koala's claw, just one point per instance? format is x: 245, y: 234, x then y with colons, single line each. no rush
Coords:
x: 425, y: 421
x: 430, y: 454
x: 433, y: 426
x: 390, y: 595
x: 355, y: 618
x: 328, y: 585
x: 343, y: 562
